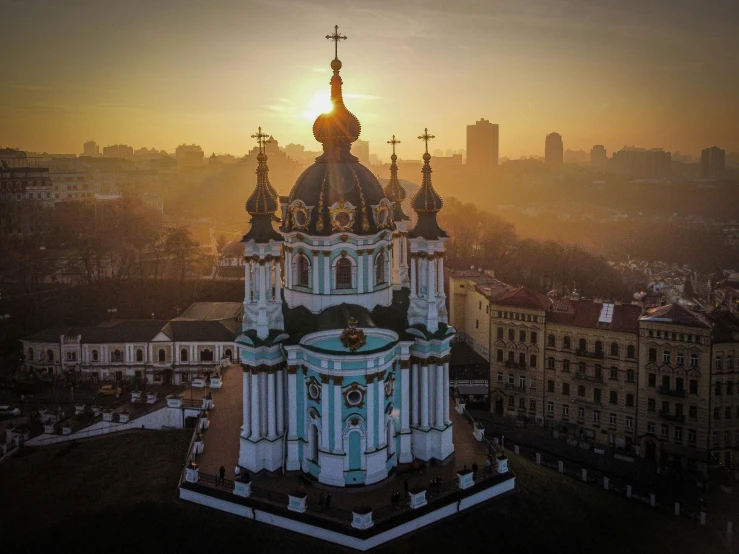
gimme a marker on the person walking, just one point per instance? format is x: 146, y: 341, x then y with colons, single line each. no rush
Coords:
x: 222, y: 473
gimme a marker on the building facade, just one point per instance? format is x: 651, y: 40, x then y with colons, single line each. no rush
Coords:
x: 482, y: 146
x: 553, y: 150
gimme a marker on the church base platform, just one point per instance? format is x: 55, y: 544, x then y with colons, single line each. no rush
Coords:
x: 342, y: 527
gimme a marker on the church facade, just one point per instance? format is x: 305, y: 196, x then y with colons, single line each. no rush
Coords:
x: 345, y: 341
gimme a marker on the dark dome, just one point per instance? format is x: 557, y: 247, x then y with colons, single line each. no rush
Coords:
x: 263, y: 200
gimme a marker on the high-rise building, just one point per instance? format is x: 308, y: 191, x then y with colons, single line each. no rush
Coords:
x: 90, y: 148
x: 713, y: 161
x: 189, y: 155
x: 361, y: 151
x: 553, y: 150
x: 482, y: 146
x: 118, y: 151
x: 640, y: 163
x: 598, y: 157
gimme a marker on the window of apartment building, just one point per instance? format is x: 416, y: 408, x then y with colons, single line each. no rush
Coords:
x: 714, y: 438
x: 477, y: 324
x: 679, y: 410
x: 522, y: 336
x: 678, y: 434
x: 71, y: 356
x: 694, y: 386
x: 511, y: 379
x: 532, y: 405
x: 532, y: 360
x: 665, y: 431
x: 612, y: 419
x: 500, y: 333
x: 718, y: 363
x: 511, y: 401
x: 598, y: 371
x: 533, y: 337
x: 511, y: 355
x: 598, y: 347
x: 736, y: 437
x: 651, y: 404
x: 691, y: 436
x: 680, y: 358
x: 565, y: 365
x: 596, y: 416
x: 550, y: 386
x: 666, y: 382
x: 729, y: 362
x: 726, y: 438
x: 630, y: 400
x: 650, y: 427
x: 679, y: 384
x: 614, y: 349
x: 717, y: 388
x: 629, y: 422
x: 582, y: 345
x: 522, y: 359
x: 511, y: 334
x: 566, y: 343
x: 666, y: 356
x: 522, y: 403
x: 532, y: 383
x: 652, y: 354
x: 614, y: 373
x: 630, y: 375
x: 479, y: 305
x: 522, y: 382
x: 694, y: 360
x: 500, y: 377
x: 500, y: 355
x: 651, y: 333
x: 94, y: 355
x: 565, y: 410
x: 581, y: 413
x: 730, y: 387
x: 727, y: 412
x: 693, y: 412
x: 596, y: 395
x: 581, y: 390
x: 652, y: 380
x: 551, y: 341
x: 550, y: 407
x: 665, y: 407
x: 717, y: 413
x: 630, y: 351
x: 566, y: 389
x: 550, y: 363
x: 581, y: 367
x: 613, y: 397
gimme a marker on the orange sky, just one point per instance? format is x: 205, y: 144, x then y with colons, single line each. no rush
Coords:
x: 160, y: 73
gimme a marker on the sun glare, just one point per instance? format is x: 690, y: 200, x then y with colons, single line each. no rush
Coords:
x: 320, y: 103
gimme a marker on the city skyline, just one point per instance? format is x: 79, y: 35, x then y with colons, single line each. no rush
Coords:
x: 190, y: 76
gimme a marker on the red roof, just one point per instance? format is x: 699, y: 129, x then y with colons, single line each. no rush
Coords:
x: 522, y: 297
x: 586, y: 313
x: 676, y: 315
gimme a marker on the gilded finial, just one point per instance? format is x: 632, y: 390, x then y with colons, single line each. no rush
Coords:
x: 336, y: 37
x: 261, y: 139
x: 393, y: 142
x: 425, y: 137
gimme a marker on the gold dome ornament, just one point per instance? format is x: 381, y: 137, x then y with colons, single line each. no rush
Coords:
x: 353, y: 338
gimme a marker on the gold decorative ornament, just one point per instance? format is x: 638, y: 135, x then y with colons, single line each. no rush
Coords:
x: 342, y: 216
x: 353, y: 338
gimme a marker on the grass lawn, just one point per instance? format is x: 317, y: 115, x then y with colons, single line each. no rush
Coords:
x: 118, y: 495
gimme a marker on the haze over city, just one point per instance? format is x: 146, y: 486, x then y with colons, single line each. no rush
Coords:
x: 653, y: 74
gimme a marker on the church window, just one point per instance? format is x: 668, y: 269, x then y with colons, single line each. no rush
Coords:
x: 139, y: 355
x: 50, y: 355
x: 162, y: 355
x: 314, y: 391
x: 302, y: 271
x: 94, y: 355
x: 354, y: 397
x: 206, y: 355
x: 343, y: 274
x: 183, y: 355
x: 30, y: 354
x: 380, y: 273
x: 116, y: 356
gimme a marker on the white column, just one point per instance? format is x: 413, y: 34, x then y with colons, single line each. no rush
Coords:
x: 255, y: 411
x: 371, y: 414
x: 271, y: 408
x: 440, y: 274
x: 326, y: 273
x: 405, y: 397
x: 314, y: 263
x: 380, y: 388
x: 278, y: 281
x: 325, y: 413
x: 440, y: 396
x: 414, y: 276
x: 263, y: 406
x: 262, y: 283
x: 415, y: 403
x: 432, y: 395
x: 292, y: 405
x: 360, y: 271
x: 432, y: 278
x: 447, y: 421
x: 288, y: 269
x: 338, y: 446
x: 280, y: 377
x: 246, y: 394
x: 424, y: 393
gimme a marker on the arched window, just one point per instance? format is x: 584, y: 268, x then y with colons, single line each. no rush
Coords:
x: 630, y: 351
x: 302, y: 271
x: 206, y: 355
x: 94, y: 355
x: 598, y: 347
x: 50, y: 355
x: 614, y: 349
x: 380, y: 273
x: 581, y: 367
x: 228, y: 354
x: 550, y: 363
x: 183, y: 355
x: 565, y: 365
x: 583, y: 345
x: 30, y: 354
x: 551, y: 341
x: 314, y: 443
x: 162, y: 355
x: 343, y: 273
x: 139, y: 355
x: 566, y: 343
x: 116, y: 356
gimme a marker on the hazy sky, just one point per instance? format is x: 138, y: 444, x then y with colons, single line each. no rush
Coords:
x: 159, y: 73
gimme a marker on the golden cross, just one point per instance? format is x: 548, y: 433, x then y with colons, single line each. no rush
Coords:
x: 260, y: 136
x: 336, y: 37
x: 393, y: 142
x: 425, y: 137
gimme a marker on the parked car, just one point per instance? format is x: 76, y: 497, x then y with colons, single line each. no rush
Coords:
x: 109, y: 390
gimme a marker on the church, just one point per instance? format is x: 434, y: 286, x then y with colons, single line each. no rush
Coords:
x: 345, y: 341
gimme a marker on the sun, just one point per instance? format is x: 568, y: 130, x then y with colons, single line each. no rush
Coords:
x: 320, y: 103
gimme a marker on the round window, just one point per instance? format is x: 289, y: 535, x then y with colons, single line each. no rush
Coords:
x: 313, y: 391
x: 354, y: 397
x: 342, y: 219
